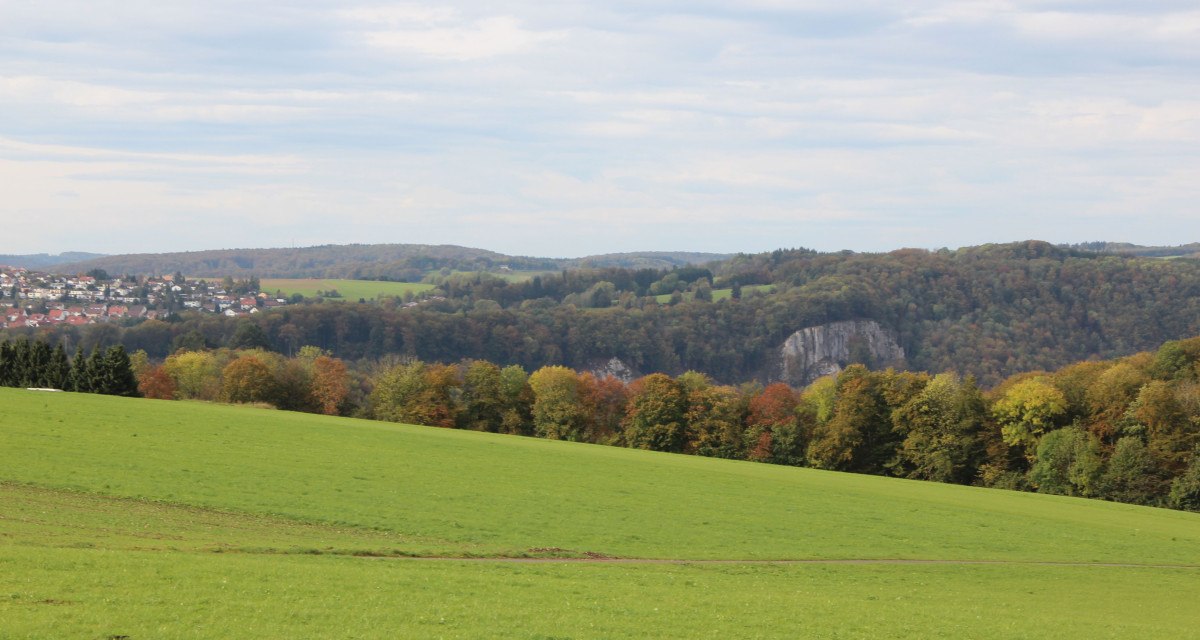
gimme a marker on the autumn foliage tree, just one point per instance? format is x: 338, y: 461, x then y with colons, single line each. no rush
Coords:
x: 482, y: 397
x: 856, y: 437
x: 558, y: 409
x: 772, y: 429
x: 330, y: 384
x: 656, y: 415
x: 247, y: 379
x: 604, y: 399
x: 156, y: 383
x: 1028, y: 410
x: 418, y: 393
x: 715, y: 417
x: 942, y: 426
x: 196, y: 375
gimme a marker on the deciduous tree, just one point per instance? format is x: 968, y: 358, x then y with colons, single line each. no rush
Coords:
x: 1027, y: 410
x: 655, y: 418
x: 558, y: 411
x: 247, y: 379
x: 330, y: 384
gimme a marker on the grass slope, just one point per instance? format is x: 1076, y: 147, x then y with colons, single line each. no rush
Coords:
x: 111, y: 512
x: 350, y: 289
x: 721, y: 294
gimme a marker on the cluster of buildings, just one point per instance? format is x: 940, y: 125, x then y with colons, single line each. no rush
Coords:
x: 34, y: 299
x: 60, y: 313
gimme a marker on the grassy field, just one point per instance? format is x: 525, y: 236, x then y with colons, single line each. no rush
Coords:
x: 520, y: 276
x: 721, y: 294
x: 350, y: 289
x: 159, y: 519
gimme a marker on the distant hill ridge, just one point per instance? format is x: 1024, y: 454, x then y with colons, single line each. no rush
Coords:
x: 42, y: 260
x: 1190, y: 250
x: 408, y: 262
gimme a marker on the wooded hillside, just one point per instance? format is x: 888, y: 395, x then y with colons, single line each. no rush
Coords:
x: 989, y: 311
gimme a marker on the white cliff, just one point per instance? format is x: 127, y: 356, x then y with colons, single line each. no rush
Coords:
x: 813, y: 352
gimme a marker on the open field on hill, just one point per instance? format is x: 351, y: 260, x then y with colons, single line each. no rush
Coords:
x: 146, y: 518
x: 350, y: 289
x: 721, y: 294
x: 513, y: 275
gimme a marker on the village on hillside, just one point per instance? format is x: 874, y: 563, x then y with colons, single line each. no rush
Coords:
x: 34, y: 299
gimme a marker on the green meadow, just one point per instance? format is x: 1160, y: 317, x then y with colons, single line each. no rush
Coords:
x: 721, y: 294
x: 350, y: 289
x: 140, y: 518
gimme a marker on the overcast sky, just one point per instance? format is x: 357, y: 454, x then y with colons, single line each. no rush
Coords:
x: 578, y: 127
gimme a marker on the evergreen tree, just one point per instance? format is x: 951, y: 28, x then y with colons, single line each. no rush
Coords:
x: 78, y: 380
x: 90, y: 373
x: 7, y: 364
x: 58, y: 373
x: 37, y: 368
x: 118, y: 378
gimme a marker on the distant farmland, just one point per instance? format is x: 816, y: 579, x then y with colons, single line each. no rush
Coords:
x: 349, y: 289
x: 721, y: 294
x: 142, y: 518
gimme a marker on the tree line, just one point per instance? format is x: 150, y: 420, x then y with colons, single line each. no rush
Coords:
x: 35, y: 364
x: 1126, y: 430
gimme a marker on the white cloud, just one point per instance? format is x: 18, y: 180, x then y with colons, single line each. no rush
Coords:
x: 114, y: 160
x: 443, y: 33
x: 41, y: 90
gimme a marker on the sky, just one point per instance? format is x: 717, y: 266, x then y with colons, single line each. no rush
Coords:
x: 576, y: 127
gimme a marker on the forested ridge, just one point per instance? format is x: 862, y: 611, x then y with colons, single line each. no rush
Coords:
x: 46, y: 260
x: 398, y: 262
x: 989, y: 311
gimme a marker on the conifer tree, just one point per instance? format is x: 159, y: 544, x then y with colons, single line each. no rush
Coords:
x: 118, y: 378
x: 7, y: 364
x: 58, y: 373
x: 37, y: 366
x: 78, y: 380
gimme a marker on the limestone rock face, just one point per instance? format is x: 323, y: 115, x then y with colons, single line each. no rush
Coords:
x: 813, y: 352
x: 612, y: 368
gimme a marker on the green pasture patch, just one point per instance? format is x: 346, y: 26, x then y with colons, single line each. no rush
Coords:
x: 524, y: 276
x: 720, y: 294
x: 349, y: 289
x: 33, y: 516
x: 513, y: 275
x: 506, y: 495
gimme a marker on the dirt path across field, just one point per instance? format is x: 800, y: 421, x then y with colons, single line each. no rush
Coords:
x: 864, y: 561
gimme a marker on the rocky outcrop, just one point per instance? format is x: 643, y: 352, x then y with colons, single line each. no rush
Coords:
x: 813, y: 352
x: 612, y: 368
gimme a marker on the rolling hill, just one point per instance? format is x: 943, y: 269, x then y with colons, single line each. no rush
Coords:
x: 138, y: 518
x: 46, y: 260
x: 406, y: 262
